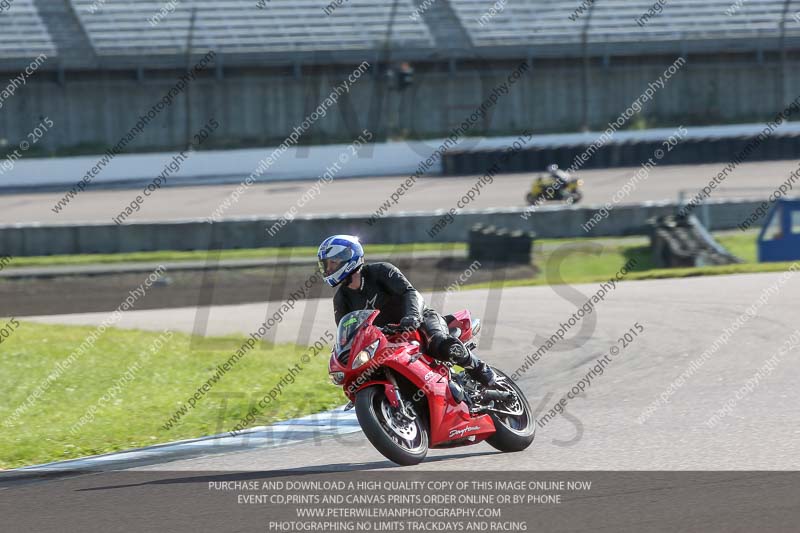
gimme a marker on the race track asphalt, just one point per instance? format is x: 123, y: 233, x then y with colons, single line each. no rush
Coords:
x: 364, y: 195
x: 602, y: 430
x: 681, y: 319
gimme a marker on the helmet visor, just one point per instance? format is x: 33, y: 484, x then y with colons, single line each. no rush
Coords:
x: 330, y: 264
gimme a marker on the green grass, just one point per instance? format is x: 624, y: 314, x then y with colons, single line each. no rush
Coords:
x: 593, y: 260
x: 576, y: 260
x: 133, y: 415
x: 201, y: 255
x: 742, y: 245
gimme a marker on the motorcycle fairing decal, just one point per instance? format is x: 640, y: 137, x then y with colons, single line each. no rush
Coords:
x: 460, y: 433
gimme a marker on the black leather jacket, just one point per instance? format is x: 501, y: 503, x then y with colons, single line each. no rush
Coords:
x: 384, y: 287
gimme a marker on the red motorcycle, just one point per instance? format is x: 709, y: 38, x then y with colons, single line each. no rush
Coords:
x: 407, y: 402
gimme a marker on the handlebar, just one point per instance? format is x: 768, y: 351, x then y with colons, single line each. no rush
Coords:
x: 392, y: 329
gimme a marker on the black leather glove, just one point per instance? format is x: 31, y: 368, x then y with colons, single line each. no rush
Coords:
x: 410, y: 323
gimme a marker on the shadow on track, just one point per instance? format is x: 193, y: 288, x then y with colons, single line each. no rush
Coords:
x: 311, y: 470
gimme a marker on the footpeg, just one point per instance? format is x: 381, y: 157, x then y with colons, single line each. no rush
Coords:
x: 481, y: 408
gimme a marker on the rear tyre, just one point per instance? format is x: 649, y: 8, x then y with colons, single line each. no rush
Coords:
x: 401, y: 441
x: 513, y: 433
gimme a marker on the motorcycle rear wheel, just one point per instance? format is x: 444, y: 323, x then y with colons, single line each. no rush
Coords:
x: 401, y: 441
x: 513, y: 433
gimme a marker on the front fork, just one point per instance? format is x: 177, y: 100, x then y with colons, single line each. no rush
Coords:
x: 393, y: 395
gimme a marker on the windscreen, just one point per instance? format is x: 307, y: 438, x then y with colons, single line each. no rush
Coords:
x: 348, y: 326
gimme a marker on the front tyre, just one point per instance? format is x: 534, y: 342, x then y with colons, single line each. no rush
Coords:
x: 516, y: 428
x: 401, y: 441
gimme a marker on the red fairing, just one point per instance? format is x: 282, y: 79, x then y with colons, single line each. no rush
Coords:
x: 449, y: 419
x: 462, y: 320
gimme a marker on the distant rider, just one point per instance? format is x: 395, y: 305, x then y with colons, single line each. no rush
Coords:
x: 559, y: 176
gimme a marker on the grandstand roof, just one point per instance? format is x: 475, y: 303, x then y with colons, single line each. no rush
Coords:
x: 23, y: 34
x: 121, y: 33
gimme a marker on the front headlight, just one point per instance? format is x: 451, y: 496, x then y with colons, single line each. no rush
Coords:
x: 365, y: 355
x: 337, y: 378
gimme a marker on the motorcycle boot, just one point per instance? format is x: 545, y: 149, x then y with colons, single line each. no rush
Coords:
x: 477, y: 369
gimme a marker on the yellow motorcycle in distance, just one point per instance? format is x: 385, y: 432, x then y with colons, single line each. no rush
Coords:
x: 556, y: 185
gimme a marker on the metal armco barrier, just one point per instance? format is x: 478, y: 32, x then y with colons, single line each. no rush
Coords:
x: 548, y: 222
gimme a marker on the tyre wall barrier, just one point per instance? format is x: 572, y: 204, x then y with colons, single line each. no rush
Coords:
x: 681, y: 241
x: 489, y: 244
x: 17, y: 240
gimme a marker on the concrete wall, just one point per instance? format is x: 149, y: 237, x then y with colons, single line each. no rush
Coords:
x: 548, y: 222
x: 261, y: 107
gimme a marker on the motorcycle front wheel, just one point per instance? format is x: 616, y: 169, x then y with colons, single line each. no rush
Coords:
x: 402, y: 441
x: 516, y: 428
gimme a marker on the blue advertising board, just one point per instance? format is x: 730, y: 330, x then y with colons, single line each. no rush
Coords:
x: 779, y: 239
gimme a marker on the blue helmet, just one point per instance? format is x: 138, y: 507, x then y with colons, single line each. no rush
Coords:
x: 339, y: 256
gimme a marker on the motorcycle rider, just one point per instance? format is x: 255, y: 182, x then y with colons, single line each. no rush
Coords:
x: 382, y: 286
x: 559, y: 176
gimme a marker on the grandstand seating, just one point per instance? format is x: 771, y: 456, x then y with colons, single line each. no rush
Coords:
x: 22, y: 32
x: 526, y: 22
x: 239, y: 26
x: 119, y: 32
